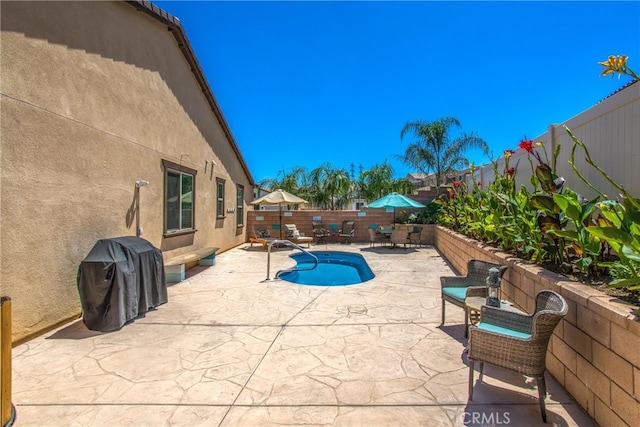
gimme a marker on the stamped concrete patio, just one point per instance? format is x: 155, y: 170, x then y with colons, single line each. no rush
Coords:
x: 230, y: 349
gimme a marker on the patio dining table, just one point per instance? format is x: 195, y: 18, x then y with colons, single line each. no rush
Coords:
x: 386, y: 232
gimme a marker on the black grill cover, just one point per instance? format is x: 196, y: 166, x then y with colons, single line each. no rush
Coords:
x: 120, y: 279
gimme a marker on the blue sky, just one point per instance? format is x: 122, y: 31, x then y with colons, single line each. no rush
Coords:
x: 302, y: 83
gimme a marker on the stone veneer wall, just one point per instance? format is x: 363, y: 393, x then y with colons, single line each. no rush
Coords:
x: 594, y: 352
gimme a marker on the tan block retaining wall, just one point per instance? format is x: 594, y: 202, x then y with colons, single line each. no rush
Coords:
x: 303, y: 221
x: 594, y: 352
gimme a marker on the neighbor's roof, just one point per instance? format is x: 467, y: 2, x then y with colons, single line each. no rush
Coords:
x: 183, y: 43
x: 416, y: 175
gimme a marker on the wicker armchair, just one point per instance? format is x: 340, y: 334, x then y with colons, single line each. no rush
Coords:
x: 414, y: 236
x: 375, y: 236
x: 399, y: 237
x: 455, y: 289
x: 516, y: 341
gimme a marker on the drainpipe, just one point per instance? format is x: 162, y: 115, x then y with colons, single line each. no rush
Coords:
x: 139, y: 183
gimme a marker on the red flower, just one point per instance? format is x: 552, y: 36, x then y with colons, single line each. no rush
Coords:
x: 451, y: 195
x: 526, y: 146
x: 457, y: 184
x: 479, y: 184
x: 511, y: 171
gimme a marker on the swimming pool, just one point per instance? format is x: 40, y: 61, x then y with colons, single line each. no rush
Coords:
x: 334, y: 269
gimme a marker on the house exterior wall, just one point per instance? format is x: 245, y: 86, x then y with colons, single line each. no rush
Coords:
x: 610, y: 130
x: 95, y: 95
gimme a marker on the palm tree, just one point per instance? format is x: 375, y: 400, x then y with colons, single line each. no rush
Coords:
x: 329, y: 186
x: 295, y: 182
x: 316, y: 194
x: 378, y: 181
x: 402, y: 186
x: 435, y: 150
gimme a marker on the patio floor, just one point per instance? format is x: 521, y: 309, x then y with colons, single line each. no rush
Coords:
x: 229, y: 349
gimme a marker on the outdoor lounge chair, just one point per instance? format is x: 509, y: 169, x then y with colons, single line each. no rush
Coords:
x: 456, y: 289
x: 516, y: 341
x: 319, y: 232
x: 347, y: 231
x: 261, y: 235
x: 293, y: 235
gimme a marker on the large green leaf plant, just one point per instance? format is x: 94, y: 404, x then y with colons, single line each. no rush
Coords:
x: 553, y: 223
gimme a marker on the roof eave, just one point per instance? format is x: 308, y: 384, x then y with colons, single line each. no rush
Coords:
x: 179, y: 34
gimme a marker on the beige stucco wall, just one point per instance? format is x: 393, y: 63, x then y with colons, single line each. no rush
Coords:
x: 94, y: 96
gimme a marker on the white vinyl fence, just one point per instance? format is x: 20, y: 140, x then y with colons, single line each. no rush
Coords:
x: 611, y: 132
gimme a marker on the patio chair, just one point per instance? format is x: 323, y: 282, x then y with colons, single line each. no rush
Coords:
x: 424, y: 238
x: 261, y: 235
x: 293, y: 235
x: 455, y: 289
x: 319, y: 232
x: 375, y: 236
x: 516, y: 341
x: 347, y: 231
x: 414, y: 236
x: 399, y: 237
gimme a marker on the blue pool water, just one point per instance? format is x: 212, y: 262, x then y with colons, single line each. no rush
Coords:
x: 334, y: 269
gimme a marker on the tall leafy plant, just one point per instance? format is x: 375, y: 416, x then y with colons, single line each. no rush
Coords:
x: 553, y: 223
x: 619, y: 224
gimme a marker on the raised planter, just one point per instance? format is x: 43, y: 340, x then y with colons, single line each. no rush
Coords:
x: 594, y: 352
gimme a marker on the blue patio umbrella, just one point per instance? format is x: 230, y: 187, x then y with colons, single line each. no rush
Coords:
x: 395, y: 200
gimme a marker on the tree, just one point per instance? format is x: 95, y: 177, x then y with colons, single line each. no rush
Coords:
x: 378, y: 181
x: 295, y: 182
x: 329, y: 186
x: 435, y: 150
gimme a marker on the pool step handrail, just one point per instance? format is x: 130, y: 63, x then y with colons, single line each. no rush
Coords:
x: 293, y: 245
x: 296, y: 268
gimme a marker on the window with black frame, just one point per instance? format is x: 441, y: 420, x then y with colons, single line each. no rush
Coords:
x: 240, y: 206
x: 220, y: 197
x: 180, y: 197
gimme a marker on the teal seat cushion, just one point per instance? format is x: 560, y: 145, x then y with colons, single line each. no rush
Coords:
x: 457, y: 293
x: 504, y: 331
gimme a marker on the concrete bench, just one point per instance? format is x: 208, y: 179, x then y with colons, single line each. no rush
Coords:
x: 175, y: 268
